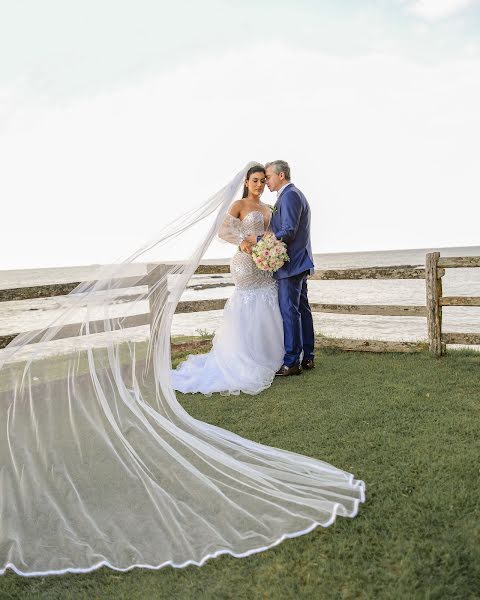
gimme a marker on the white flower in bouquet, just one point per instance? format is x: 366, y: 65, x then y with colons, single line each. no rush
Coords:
x: 270, y: 254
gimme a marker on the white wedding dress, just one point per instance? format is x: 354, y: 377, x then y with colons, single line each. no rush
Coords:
x: 248, y: 348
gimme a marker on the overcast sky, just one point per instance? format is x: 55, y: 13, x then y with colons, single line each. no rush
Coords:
x: 115, y: 116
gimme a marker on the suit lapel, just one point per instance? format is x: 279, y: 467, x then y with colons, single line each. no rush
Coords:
x: 277, y: 203
x: 288, y: 186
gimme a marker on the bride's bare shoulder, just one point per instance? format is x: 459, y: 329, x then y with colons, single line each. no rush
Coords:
x: 236, y: 208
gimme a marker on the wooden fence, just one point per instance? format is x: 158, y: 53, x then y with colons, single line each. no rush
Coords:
x: 435, y: 266
x: 432, y: 310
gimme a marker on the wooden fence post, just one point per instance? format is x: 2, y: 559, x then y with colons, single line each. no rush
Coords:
x: 433, y: 280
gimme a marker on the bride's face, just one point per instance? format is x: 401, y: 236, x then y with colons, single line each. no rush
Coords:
x: 256, y: 184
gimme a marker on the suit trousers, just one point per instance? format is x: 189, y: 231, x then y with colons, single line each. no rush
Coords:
x: 297, y: 318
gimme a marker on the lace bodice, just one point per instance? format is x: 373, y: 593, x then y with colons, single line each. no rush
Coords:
x: 253, y: 224
x: 245, y: 274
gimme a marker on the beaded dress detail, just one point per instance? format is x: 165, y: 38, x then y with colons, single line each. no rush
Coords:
x: 245, y: 274
x: 248, y: 347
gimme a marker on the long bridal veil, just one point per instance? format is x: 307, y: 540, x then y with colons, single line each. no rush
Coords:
x: 99, y: 463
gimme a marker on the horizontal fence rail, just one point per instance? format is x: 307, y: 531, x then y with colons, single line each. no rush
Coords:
x: 385, y: 310
x: 457, y: 262
x: 357, y: 345
x: 461, y: 338
x: 432, y: 273
x: 402, y: 272
x: 460, y: 301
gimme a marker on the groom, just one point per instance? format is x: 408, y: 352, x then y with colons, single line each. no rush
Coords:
x: 291, y: 224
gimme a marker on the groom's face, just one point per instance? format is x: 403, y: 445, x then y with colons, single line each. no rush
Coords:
x: 274, y: 180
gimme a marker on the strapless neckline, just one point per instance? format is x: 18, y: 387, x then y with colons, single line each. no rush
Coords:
x: 261, y: 214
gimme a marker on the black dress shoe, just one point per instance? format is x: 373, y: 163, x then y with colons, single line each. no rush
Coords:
x: 308, y: 364
x: 285, y: 371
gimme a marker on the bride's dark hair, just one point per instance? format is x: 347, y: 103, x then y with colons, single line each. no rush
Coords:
x: 250, y: 172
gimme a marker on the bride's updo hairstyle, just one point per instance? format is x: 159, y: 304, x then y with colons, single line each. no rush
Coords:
x: 250, y: 172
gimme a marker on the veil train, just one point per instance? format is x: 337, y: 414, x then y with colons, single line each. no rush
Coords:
x: 100, y: 464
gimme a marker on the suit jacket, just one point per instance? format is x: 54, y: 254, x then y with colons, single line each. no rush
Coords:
x: 291, y: 223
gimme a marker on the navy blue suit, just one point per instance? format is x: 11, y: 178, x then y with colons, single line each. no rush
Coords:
x: 291, y: 223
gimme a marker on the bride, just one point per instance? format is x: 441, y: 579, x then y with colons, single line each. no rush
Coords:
x: 248, y: 348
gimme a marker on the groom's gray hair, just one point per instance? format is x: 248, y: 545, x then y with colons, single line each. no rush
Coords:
x: 280, y: 166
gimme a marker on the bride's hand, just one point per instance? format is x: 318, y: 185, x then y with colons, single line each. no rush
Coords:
x: 246, y: 246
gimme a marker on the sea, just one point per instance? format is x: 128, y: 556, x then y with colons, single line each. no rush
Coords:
x: 26, y: 315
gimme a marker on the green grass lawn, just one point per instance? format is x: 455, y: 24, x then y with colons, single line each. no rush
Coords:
x: 407, y: 424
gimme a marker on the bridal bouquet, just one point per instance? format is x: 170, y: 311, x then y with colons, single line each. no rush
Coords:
x: 269, y: 254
